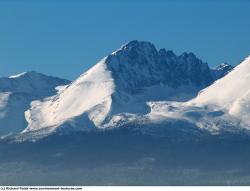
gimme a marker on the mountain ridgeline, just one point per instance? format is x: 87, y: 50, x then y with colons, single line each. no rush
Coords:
x: 124, y: 87
x: 139, y: 64
x: 16, y: 94
x: 139, y: 116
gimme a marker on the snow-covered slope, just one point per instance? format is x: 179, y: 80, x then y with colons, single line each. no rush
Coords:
x: 223, y: 106
x: 89, y: 93
x: 16, y: 94
x: 226, y: 90
x: 116, y: 90
x: 231, y: 93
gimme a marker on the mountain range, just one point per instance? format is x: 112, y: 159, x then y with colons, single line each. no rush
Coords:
x: 135, y: 86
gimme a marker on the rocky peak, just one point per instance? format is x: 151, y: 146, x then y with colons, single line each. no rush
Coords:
x: 139, y: 64
x: 221, y: 70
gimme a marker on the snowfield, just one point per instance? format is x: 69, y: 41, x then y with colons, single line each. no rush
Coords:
x: 230, y: 94
x: 16, y: 94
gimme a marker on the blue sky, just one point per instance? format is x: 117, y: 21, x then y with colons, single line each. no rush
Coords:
x: 64, y: 38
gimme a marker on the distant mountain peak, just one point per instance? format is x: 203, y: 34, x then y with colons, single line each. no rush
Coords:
x: 135, y: 49
x: 137, y: 44
x: 223, y: 66
x: 221, y: 70
x: 18, y: 75
x: 139, y: 64
x: 16, y: 94
x: 27, y: 74
x: 30, y: 82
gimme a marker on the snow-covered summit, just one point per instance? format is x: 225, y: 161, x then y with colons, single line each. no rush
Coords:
x: 135, y: 84
x: 16, y: 94
x: 31, y: 83
x: 116, y: 90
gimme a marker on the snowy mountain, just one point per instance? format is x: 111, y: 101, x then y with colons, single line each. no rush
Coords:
x: 230, y: 94
x: 16, y: 94
x: 121, y: 89
x: 221, y: 70
x: 147, y: 113
x: 221, y: 107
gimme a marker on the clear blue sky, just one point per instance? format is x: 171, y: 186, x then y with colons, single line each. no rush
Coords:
x: 64, y: 38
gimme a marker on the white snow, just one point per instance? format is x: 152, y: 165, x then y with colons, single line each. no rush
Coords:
x: 18, y: 75
x: 94, y: 93
x: 89, y: 93
x: 224, y: 104
x: 16, y: 94
x: 231, y: 93
x: 226, y: 90
x: 4, y: 97
x: 118, y: 91
x: 123, y: 87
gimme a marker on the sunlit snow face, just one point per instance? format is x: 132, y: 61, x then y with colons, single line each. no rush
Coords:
x: 4, y: 97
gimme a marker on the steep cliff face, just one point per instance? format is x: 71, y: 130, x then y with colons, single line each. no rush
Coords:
x: 139, y: 64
